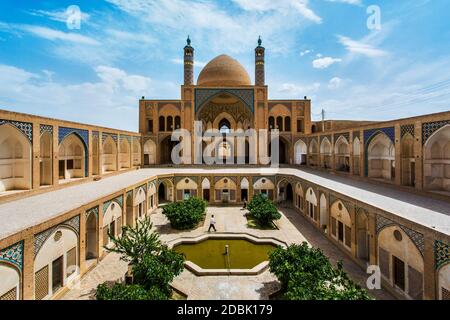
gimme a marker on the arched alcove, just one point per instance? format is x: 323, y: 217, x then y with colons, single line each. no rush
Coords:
x: 71, y: 157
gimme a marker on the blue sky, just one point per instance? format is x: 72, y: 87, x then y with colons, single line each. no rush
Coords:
x: 126, y: 49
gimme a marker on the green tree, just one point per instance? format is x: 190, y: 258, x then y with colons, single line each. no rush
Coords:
x: 185, y: 214
x: 306, y: 274
x: 153, y: 265
x: 263, y: 210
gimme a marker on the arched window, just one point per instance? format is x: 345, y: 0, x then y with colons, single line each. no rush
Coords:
x: 169, y: 123
x: 177, y: 122
x: 224, y: 126
x: 287, y: 124
x: 162, y: 126
x: 280, y: 123
x: 271, y: 123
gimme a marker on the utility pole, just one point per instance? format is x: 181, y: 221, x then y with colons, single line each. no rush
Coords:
x: 323, y: 120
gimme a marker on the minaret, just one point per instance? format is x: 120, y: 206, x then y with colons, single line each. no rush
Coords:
x: 259, y: 64
x: 188, y: 64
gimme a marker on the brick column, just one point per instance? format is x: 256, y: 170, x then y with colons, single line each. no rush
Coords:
x: 55, y: 156
x: 90, y: 154
x: 100, y: 153
x: 82, y: 251
x: 350, y: 149
x: 398, y: 155
x: 353, y: 219
x: 28, y: 268
x: 418, y: 155
x: 36, y: 146
x: 373, y: 239
x: 429, y: 272
x: 100, y: 249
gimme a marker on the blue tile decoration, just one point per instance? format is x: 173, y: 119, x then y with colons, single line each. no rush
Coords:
x: 441, y: 254
x: 106, y: 135
x: 368, y: 136
x: 43, y: 128
x: 92, y: 211
x: 118, y: 200
x: 415, y: 236
x: 25, y: 127
x: 431, y: 127
x: 40, y: 238
x: 346, y: 135
x: 409, y: 128
x: 84, y: 136
x: 245, y: 95
x: 13, y: 255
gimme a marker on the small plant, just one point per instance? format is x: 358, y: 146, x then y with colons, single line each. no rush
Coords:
x: 263, y: 210
x: 306, y: 274
x: 153, y: 265
x: 185, y: 214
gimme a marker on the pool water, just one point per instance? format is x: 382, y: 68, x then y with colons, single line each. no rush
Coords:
x: 210, y: 254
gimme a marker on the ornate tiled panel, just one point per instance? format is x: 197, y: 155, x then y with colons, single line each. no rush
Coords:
x: 409, y: 128
x: 106, y: 135
x: 92, y: 211
x: 346, y: 135
x: 368, y: 134
x: 203, y: 95
x: 431, y: 127
x: 64, y: 132
x: 441, y: 253
x: 118, y: 200
x: 40, y: 238
x: 13, y: 254
x: 415, y: 236
x: 43, y: 128
x: 25, y: 127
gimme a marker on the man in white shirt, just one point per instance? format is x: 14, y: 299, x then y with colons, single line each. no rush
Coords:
x: 212, y: 224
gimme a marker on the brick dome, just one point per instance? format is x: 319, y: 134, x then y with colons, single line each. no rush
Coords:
x: 223, y: 71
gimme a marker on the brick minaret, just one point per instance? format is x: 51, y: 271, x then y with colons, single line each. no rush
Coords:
x: 188, y: 64
x: 259, y: 64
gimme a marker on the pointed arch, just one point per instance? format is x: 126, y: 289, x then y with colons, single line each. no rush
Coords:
x: 149, y: 152
x: 408, y: 163
x: 323, y: 212
x: 301, y: 152
x: 326, y: 150
x: 136, y: 151
x: 341, y: 224
x: 437, y: 161
x: 342, y: 154
x: 10, y: 286
x: 124, y: 154
x: 356, y: 156
x: 109, y: 157
x: 380, y: 157
x: 15, y: 159
x: 72, y: 157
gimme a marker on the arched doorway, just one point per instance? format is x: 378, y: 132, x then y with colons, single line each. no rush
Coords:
x: 381, y: 157
x: 124, y: 154
x: 149, y: 152
x: 325, y: 153
x: 15, y: 159
x: 408, y: 161
x: 289, y: 194
x: 341, y: 224
x: 136, y: 151
x: 91, y: 237
x: 300, y: 152
x: 161, y: 193
x: 166, y: 148
x: 283, y: 154
x: 311, y: 204
x: 342, y: 154
x: 313, y: 153
x: 109, y: 163
x: 437, y: 161
x: 10, y: 286
x: 206, y: 188
x: 323, y: 213
x: 72, y: 157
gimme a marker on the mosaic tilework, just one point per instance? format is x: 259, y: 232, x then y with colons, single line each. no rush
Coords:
x: 431, y: 127
x: 122, y: 137
x: 346, y: 203
x: 40, y: 238
x: 441, y: 253
x: 130, y: 194
x: 203, y: 95
x: 415, y: 236
x: 346, y: 135
x: 106, y: 135
x: 118, y: 200
x: 25, y: 127
x: 409, y: 128
x: 369, y: 134
x: 323, y: 137
x: 45, y: 128
x: 356, y: 134
x: 143, y: 188
x: 286, y: 178
x: 92, y: 210
x: 13, y: 254
x: 193, y: 178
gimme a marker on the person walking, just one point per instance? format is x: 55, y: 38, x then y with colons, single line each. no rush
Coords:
x: 212, y: 224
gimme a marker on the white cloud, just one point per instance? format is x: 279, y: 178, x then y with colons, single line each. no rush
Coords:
x: 354, y: 2
x: 335, y: 83
x: 323, y: 63
x: 361, y: 47
x: 60, y: 15
x: 293, y: 89
x: 304, y: 53
x: 110, y: 101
